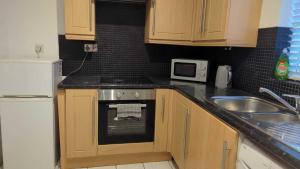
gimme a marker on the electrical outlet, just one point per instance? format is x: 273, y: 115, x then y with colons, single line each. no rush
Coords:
x: 90, y: 48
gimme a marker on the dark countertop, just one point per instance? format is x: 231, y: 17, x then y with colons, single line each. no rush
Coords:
x: 288, y: 154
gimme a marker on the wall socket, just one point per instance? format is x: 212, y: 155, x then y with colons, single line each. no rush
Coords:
x: 90, y: 48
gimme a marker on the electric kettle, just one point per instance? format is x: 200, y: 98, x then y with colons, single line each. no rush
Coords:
x: 223, y: 77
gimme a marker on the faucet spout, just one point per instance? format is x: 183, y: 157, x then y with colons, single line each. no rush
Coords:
x: 278, y: 98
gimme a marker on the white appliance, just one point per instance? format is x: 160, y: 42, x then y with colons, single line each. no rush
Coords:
x: 223, y: 77
x: 188, y: 69
x: 28, y: 112
x: 251, y: 157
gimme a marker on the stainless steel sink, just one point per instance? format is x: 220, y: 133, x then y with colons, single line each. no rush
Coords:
x: 245, y: 104
x: 270, y: 117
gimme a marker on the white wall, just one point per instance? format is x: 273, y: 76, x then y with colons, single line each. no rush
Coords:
x: 25, y: 23
x: 275, y: 13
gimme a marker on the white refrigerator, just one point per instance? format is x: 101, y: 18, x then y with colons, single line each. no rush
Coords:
x: 28, y: 113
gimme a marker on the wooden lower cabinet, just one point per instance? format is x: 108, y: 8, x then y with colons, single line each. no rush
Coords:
x: 194, y: 137
x: 82, y: 123
x: 181, y: 127
x: 200, y: 140
x: 162, y: 111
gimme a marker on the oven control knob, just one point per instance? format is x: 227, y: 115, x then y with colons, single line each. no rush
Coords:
x: 137, y: 94
x: 118, y: 94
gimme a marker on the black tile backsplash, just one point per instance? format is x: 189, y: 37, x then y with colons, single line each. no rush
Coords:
x: 121, y: 47
x: 254, y: 68
x: 122, y: 52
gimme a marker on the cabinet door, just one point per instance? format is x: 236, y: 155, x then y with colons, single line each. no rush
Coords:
x: 171, y: 19
x: 80, y: 19
x: 81, y: 123
x: 198, y: 22
x: 161, y: 119
x: 215, y: 19
x: 212, y: 143
x: 180, y: 130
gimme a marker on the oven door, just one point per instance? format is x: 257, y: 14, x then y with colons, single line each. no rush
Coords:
x: 117, y: 130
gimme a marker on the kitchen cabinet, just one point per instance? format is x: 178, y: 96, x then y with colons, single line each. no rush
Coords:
x: 81, y: 123
x: 211, y: 19
x: 181, y: 128
x: 163, y: 100
x: 80, y: 19
x: 200, y: 139
x: 169, y: 20
x: 213, y: 23
x: 213, y: 143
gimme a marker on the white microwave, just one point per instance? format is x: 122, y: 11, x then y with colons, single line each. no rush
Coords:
x: 188, y: 69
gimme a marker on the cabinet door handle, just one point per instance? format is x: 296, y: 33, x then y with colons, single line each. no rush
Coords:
x: 204, y: 15
x: 245, y: 165
x: 163, y: 108
x: 153, y: 5
x: 187, y: 134
x: 91, y: 10
x: 225, y: 152
x: 94, y: 119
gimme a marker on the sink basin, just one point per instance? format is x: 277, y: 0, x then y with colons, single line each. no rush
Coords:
x: 274, y: 117
x: 245, y: 104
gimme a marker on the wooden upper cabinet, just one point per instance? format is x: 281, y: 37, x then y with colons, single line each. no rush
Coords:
x: 215, y: 19
x: 81, y: 123
x: 210, y: 19
x: 169, y: 19
x: 203, y: 22
x: 80, y: 19
x: 162, y: 110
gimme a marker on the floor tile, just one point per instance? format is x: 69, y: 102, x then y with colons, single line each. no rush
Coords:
x: 158, y: 165
x: 131, y: 166
x: 105, y: 167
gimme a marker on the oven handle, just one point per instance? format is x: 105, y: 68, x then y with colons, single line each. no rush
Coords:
x: 114, y: 106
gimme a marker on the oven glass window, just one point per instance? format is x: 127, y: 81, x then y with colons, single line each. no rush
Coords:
x: 125, y: 125
x: 130, y: 121
x: 185, y: 69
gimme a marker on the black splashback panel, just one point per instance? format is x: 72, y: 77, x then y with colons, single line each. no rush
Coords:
x: 121, y: 48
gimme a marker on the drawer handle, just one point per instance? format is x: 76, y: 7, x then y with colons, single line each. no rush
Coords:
x: 225, y: 153
x: 245, y: 165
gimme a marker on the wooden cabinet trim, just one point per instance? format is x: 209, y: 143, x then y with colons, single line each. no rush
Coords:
x: 125, y: 148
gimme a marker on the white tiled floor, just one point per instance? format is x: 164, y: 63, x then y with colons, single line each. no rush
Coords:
x: 153, y: 165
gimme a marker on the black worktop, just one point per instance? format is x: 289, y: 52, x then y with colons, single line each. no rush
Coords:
x: 198, y: 93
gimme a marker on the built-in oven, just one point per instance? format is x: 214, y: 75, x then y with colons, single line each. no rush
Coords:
x: 126, y: 116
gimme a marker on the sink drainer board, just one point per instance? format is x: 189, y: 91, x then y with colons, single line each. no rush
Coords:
x: 288, y: 132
